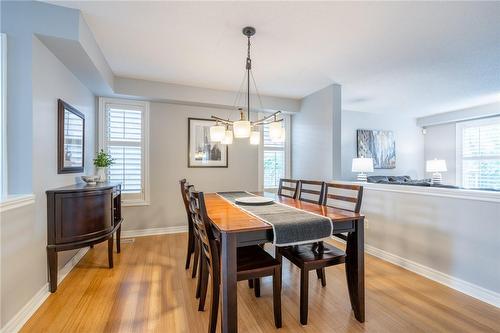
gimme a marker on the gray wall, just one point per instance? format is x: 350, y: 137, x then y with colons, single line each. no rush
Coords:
x: 441, y: 143
x: 24, y: 230
x: 316, y: 136
x: 409, y: 142
x: 168, y: 164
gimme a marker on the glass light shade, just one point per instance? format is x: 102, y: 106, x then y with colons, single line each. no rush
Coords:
x: 228, y: 138
x: 362, y: 164
x: 255, y: 138
x: 283, y: 135
x: 217, y: 133
x: 241, y: 129
x: 436, y: 165
x: 275, y: 131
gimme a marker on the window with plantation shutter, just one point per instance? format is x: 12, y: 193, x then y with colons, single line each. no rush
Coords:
x: 479, y: 153
x: 274, y: 158
x: 124, y: 133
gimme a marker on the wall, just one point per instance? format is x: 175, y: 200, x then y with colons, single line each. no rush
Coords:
x: 439, y: 233
x: 168, y: 164
x: 316, y: 135
x: 24, y: 230
x: 409, y: 142
x: 440, y: 142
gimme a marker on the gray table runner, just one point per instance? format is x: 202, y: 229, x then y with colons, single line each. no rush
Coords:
x: 291, y: 225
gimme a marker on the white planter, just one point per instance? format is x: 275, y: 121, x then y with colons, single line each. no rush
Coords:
x: 101, y: 172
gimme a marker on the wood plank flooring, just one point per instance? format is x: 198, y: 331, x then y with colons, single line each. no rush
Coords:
x: 149, y: 291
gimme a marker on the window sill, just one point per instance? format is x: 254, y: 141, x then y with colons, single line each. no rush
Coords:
x: 16, y: 201
x: 133, y: 203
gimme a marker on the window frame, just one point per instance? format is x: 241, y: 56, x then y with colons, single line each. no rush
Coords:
x: 286, y: 149
x: 459, y: 127
x: 143, y: 106
x: 3, y: 117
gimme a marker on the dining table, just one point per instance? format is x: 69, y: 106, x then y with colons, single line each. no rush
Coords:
x: 237, y: 228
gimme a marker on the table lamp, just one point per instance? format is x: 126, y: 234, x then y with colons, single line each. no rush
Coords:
x: 362, y: 165
x: 436, y: 167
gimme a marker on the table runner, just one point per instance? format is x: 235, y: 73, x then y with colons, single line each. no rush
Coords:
x: 291, y: 226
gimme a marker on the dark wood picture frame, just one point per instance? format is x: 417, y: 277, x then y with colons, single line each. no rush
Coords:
x: 189, y: 147
x: 61, y: 107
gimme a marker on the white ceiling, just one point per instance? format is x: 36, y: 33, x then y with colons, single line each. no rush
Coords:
x: 414, y: 58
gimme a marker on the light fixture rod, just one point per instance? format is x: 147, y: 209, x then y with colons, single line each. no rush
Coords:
x: 258, y: 122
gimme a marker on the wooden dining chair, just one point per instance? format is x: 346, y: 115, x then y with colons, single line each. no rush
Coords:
x: 288, y: 188
x: 343, y: 196
x: 318, y: 256
x: 311, y: 191
x: 191, y: 237
x: 252, y: 262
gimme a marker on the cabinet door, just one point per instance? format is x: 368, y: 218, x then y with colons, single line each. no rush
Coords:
x: 83, y: 215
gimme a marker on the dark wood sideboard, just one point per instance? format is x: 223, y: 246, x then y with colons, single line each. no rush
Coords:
x: 82, y: 215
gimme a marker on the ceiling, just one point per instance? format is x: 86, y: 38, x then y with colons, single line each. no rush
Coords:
x: 415, y: 58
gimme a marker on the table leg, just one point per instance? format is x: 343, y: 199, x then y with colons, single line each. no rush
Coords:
x: 229, y: 320
x: 52, y: 261
x: 355, y: 269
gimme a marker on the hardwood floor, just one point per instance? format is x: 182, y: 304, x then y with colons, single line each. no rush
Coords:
x: 149, y: 290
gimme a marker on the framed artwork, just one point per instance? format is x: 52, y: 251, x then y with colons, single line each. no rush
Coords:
x: 70, y: 138
x: 202, y: 153
x: 379, y: 145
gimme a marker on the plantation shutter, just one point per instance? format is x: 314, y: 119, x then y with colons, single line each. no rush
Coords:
x: 274, y: 160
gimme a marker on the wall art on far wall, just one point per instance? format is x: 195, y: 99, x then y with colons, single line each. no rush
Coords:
x: 379, y: 145
x: 202, y: 153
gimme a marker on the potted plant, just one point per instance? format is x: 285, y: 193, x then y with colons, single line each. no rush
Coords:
x: 102, y: 161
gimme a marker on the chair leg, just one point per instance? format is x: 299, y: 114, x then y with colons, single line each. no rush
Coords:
x: 190, y: 248
x: 277, y: 296
x: 256, y: 284
x: 214, y: 306
x: 318, y: 273
x: 198, y: 284
x: 323, y: 277
x: 204, y: 285
x: 304, y: 295
x: 250, y: 283
x: 196, y: 257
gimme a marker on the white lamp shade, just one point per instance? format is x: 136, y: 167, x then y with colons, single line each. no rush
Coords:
x: 283, y: 135
x: 362, y: 164
x: 275, y: 131
x: 255, y: 138
x: 217, y: 133
x: 436, y: 165
x: 228, y: 138
x: 241, y: 129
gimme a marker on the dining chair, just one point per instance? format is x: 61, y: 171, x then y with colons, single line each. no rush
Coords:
x: 311, y: 191
x: 317, y: 256
x: 252, y: 262
x: 288, y: 188
x: 191, y: 237
x: 343, y: 196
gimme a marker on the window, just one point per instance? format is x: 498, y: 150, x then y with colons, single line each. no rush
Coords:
x: 124, y: 133
x: 3, y: 116
x: 275, y: 158
x: 478, y: 159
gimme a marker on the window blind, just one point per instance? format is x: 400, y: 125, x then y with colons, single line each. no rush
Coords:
x: 481, y: 155
x: 125, y: 137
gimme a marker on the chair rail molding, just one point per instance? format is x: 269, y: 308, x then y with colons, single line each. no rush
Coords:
x: 16, y: 201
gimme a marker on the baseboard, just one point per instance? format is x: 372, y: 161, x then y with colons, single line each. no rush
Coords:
x: 153, y: 231
x: 465, y: 287
x: 17, y: 322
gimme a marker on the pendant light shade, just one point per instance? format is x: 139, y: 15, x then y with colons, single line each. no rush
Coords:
x: 255, y: 138
x: 228, y: 138
x: 283, y: 135
x: 275, y: 131
x: 241, y: 129
x: 217, y: 133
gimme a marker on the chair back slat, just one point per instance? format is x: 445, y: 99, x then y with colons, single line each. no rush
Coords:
x: 311, y: 191
x: 288, y: 188
x: 343, y: 196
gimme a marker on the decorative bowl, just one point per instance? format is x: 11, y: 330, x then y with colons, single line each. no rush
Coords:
x: 90, y: 180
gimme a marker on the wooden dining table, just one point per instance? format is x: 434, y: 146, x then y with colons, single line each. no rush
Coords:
x: 236, y: 228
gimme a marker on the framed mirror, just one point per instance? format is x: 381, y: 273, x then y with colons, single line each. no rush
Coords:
x: 70, y: 138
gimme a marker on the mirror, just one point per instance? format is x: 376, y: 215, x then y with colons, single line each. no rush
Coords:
x: 71, y: 138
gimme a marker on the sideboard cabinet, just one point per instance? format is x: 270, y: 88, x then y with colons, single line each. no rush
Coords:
x: 82, y: 215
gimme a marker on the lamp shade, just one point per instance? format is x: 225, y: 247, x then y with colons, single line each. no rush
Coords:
x: 217, y: 133
x: 255, y: 138
x: 228, y: 138
x: 436, y: 165
x: 362, y: 164
x: 275, y: 131
x: 241, y: 129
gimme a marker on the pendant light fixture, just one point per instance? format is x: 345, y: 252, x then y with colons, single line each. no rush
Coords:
x: 244, y: 128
